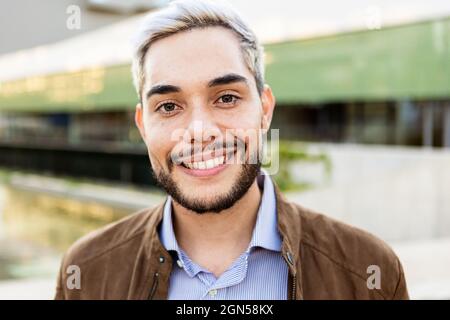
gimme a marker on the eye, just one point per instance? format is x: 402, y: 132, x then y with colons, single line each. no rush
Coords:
x: 228, y: 99
x: 167, y: 108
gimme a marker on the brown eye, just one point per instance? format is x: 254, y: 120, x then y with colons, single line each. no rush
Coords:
x: 168, y: 107
x: 228, y: 99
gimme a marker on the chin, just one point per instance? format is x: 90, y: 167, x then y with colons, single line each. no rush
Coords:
x: 205, y: 192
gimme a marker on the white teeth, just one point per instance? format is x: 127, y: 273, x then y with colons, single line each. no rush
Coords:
x: 208, y: 164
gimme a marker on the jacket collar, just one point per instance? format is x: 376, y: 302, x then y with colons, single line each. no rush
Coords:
x: 289, y: 226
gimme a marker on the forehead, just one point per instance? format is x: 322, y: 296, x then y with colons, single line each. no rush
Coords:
x: 197, y: 55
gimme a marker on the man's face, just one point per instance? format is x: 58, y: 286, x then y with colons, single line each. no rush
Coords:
x: 197, y: 92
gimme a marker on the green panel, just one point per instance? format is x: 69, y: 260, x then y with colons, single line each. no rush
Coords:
x: 410, y: 61
x: 108, y: 88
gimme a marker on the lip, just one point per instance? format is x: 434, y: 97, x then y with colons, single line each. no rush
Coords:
x: 203, y: 172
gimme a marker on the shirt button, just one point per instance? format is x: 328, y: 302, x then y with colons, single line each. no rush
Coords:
x: 180, y: 264
x: 213, y: 292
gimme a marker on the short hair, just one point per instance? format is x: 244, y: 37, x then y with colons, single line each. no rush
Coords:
x: 182, y: 15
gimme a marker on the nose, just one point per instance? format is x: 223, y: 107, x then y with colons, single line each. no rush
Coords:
x: 202, y: 129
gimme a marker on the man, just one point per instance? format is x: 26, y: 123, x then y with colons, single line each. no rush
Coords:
x: 225, y: 230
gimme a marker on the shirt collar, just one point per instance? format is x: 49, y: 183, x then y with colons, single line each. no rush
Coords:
x: 265, y: 234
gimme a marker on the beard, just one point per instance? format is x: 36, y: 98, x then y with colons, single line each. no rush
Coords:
x: 245, y: 179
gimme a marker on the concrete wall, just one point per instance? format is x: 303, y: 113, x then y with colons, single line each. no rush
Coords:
x: 396, y: 193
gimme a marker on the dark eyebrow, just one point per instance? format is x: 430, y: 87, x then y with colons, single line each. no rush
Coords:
x: 162, y: 89
x: 227, y: 79
x: 219, y: 81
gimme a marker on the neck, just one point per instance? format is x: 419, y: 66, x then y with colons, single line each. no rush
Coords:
x: 229, y: 232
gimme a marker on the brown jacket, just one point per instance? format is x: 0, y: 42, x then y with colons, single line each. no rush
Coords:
x: 327, y: 259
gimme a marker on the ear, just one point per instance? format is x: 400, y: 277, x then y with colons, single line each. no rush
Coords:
x: 268, y: 105
x: 138, y: 120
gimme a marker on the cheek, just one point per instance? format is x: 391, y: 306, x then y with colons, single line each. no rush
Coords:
x: 250, y: 122
x: 159, y: 145
x: 247, y: 118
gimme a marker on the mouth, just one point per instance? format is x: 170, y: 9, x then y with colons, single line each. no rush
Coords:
x: 202, y: 165
x: 209, y: 166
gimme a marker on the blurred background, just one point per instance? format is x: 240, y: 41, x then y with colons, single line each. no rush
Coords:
x: 363, y: 109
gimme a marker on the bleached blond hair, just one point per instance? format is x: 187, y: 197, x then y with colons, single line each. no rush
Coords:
x: 182, y: 15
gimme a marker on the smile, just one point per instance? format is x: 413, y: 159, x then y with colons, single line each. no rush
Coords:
x: 204, y: 165
x: 208, y: 161
x: 209, y: 166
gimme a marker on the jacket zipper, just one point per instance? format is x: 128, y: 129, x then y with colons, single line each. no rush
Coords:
x: 293, y: 286
x: 154, y: 286
x: 293, y: 278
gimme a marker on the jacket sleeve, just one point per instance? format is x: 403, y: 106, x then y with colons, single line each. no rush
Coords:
x: 60, y: 293
x: 401, y: 292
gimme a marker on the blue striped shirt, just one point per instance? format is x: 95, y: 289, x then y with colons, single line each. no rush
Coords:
x: 260, y: 272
